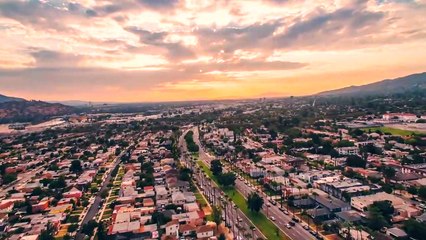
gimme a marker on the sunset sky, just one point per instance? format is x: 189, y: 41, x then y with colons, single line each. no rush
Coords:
x: 164, y: 50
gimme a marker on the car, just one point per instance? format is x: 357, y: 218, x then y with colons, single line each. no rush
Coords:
x: 295, y: 219
x: 274, y: 203
x: 273, y: 218
x: 288, y: 226
x: 292, y: 223
x: 239, y: 219
x: 306, y: 227
x: 286, y: 212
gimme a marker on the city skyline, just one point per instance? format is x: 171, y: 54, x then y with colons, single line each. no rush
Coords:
x: 170, y: 50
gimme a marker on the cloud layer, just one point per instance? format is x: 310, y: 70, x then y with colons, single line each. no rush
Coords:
x: 156, y: 50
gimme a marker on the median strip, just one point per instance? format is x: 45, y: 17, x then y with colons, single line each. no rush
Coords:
x: 259, y: 220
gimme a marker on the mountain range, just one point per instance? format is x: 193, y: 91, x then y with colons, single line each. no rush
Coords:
x: 414, y: 82
x: 13, y: 109
x: 20, y: 110
x: 4, y: 99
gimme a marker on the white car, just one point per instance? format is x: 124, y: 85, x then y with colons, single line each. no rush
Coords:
x: 273, y: 218
x: 288, y: 226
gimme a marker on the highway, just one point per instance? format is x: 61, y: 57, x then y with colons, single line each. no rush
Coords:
x: 239, y: 224
x: 281, y: 220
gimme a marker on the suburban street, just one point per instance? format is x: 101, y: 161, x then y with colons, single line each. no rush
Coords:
x: 94, y: 207
x: 281, y: 219
x: 23, y: 178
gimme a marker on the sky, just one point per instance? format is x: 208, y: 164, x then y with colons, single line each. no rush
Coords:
x: 167, y: 50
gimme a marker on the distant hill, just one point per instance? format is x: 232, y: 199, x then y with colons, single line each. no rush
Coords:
x: 4, y: 98
x: 20, y: 110
x: 414, y: 82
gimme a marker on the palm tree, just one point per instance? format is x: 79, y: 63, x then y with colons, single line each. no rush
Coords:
x: 299, y: 188
x: 252, y: 228
x: 358, y: 231
x: 315, y: 194
x: 305, y: 214
x: 348, y: 226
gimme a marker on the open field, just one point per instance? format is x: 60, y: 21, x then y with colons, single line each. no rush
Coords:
x: 393, y: 131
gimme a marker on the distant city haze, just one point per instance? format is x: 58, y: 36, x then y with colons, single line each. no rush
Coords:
x: 171, y: 50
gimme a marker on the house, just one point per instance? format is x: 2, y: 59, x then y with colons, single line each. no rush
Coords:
x: 161, y: 192
x: 349, y: 216
x: 204, y: 231
x: 187, y: 229
x: 396, y: 233
x: 42, y: 206
x: 405, y: 117
x: 178, y: 198
x: 348, y: 150
x: 73, y: 193
x: 148, y: 202
x: 6, y: 206
x: 332, y: 204
x: 361, y: 203
x: 172, y: 228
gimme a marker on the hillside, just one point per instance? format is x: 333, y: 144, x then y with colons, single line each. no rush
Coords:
x: 31, y: 111
x: 414, y: 82
x: 4, y: 99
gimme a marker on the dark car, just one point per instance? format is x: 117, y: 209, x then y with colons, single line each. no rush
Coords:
x: 295, y: 219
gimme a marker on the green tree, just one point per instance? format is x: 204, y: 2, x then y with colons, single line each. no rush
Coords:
x: 216, y: 167
x: 355, y: 161
x: 104, y: 193
x: 254, y: 202
x: 217, y: 215
x: 388, y: 173
x: 376, y: 220
x: 185, y: 174
x: 415, y: 229
x: 227, y: 179
x: 89, y: 227
x: 47, y: 234
x: 72, y: 227
x: 422, y: 192
x: 76, y: 166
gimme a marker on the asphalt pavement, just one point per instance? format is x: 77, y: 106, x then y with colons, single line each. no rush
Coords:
x: 94, y: 208
x: 238, y: 222
x: 281, y: 220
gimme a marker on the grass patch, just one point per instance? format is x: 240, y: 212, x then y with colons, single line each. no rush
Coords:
x: 261, y: 221
x: 393, y: 131
x: 200, y: 199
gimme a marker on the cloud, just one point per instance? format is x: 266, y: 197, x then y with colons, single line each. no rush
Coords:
x: 159, y: 4
x: 53, y: 59
x: 330, y: 29
x: 175, y: 50
x: 96, y: 46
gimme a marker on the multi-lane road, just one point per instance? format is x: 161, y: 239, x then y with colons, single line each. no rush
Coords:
x: 236, y: 220
x: 273, y: 212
